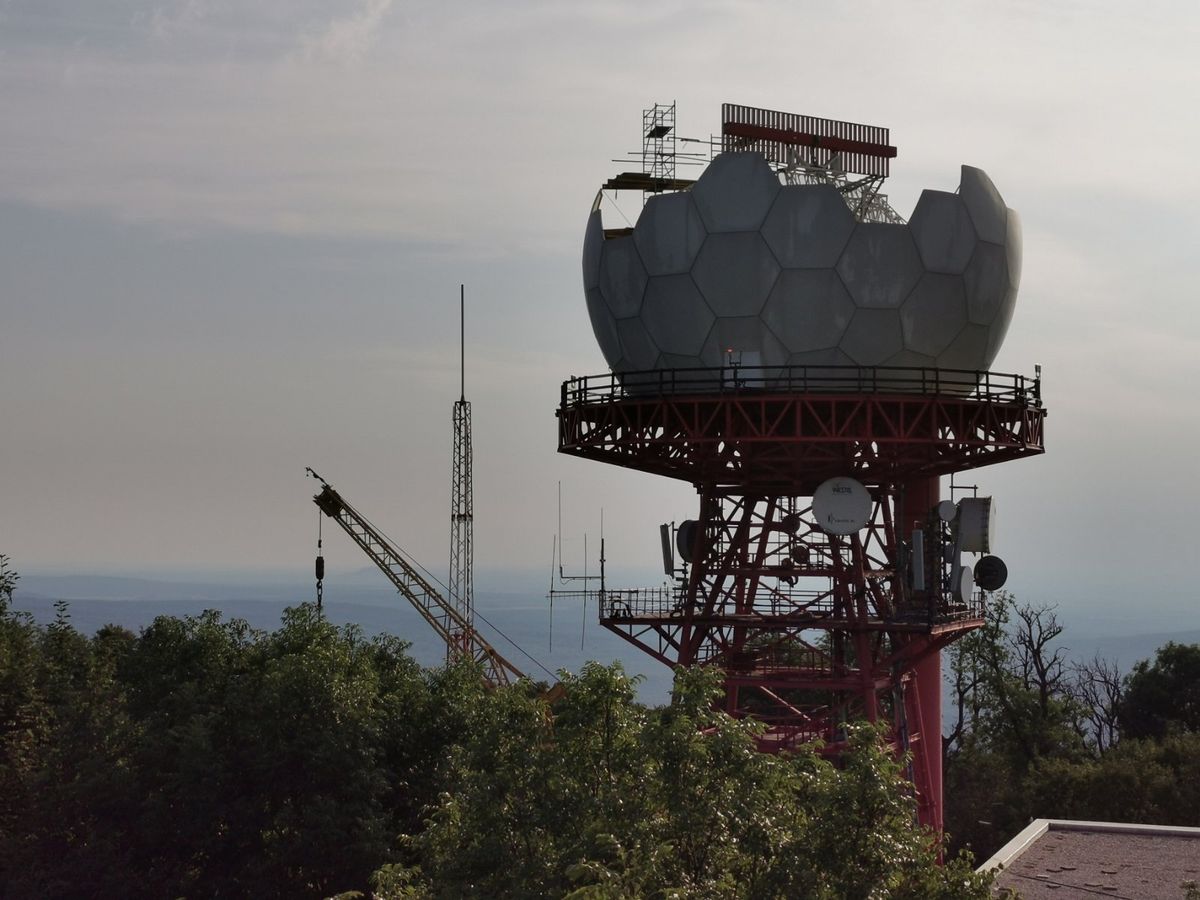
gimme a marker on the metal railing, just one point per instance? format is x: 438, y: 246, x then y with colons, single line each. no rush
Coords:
x: 992, y: 387
x: 815, y: 606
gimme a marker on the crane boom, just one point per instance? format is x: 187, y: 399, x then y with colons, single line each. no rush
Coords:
x: 463, y: 641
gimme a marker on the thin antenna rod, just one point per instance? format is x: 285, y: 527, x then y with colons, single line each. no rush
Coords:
x: 462, y: 341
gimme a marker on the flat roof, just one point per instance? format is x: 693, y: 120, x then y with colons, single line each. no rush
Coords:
x: 1063, y: 859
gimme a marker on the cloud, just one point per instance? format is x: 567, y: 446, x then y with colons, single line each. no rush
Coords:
x: 347, y: 41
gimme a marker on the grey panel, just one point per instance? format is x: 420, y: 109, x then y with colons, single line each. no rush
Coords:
x: 735, y: 273
x: 682, y: 361
x: 808, y: 309
x: 911, y: 358
x: 880, y: 265
x: 873, y: 336
x: 735, y: 192
x: 637, y: 350
x: 604, y: 326
x: 934, y: 313
x: 967, y: 351
x: 986, y: 280
x: 815, y: 375
x: 1013, y: 253
x: 984, y: 203
x: 593, y: 241
x: 622, y: 277
x: 830, y: 356
x: 808, y: 226
x: 943, y: 232
x: 669, y: 233
x: 676, y: 315
x: 1013, y: 248
x: 746, y: 336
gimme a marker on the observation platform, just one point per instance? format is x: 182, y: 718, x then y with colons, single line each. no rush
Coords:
x: 785, y: 429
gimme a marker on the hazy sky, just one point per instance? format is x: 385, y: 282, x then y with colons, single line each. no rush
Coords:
x: 231, y: 238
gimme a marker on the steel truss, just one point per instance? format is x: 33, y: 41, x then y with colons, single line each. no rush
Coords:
x: 461, y: 590
x: 811, y: 630
x: 459, y: 634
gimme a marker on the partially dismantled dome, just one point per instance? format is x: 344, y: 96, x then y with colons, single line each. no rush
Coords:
x: 744, y: 269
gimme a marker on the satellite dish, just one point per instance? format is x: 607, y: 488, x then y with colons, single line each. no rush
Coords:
x: 841, y: 506
x: 991, y: 573
x: 964, y: 584
x: 976, y: 524
x: 685, y: 538
x: 790, y: 523
x: 947, y: 510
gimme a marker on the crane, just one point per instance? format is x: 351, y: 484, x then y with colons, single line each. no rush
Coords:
x: 462, y: 640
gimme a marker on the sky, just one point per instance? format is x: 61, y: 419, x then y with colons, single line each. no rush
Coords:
x: 232, y: 237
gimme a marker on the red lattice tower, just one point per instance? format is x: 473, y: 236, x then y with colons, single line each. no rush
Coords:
x: 811, y: 629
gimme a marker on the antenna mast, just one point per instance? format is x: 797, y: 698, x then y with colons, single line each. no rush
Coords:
x: 461, y: 503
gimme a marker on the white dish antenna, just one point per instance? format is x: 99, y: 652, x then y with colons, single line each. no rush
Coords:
x: 976, y: 524
x: 947, y: 510
x: 841, y: 506
x: 964, y: 584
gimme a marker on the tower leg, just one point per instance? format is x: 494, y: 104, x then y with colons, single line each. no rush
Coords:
x: 923, y: 700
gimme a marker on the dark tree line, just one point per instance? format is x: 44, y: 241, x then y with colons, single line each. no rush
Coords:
x: 1038, y: 736
x: 202, y: 758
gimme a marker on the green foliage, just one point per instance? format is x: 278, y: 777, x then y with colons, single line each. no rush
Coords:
x: 1036, y: 738
x: 8, y: 583
x: 609, y: 800
x: 204, y: 758
x: 1163, y: 696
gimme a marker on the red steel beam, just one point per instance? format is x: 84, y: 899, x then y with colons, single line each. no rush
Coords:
x: 800, y: 138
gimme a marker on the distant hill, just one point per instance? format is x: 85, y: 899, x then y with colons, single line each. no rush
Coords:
x: 365, y: 599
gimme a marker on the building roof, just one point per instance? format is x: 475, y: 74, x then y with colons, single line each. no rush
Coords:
x: 1063, y: 860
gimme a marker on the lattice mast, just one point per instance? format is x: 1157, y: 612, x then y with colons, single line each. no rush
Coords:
x: 462, y: 516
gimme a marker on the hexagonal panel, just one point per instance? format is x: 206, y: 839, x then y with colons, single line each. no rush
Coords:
x: 815, y: 375
x: 943, y: 232
x: 984, y: 203
x: 808, y: 226
x: 593, y: 241
x: 669, y: 233
x: 808, y: 309
x: 676, y: 315
x: 735, y: 273
x: 912, y: 359
x: 873, y: 336
x: 677, y: 362
x: 967, y: 351
x: 880, y: 265
x: 622, y: 276
x: 604, y: 326
x: 735, y: 192
x: 1014, y: 250
x: 747, y: 338
x: 934, y: 313
x: 637, y: 350
x: 986, y: 280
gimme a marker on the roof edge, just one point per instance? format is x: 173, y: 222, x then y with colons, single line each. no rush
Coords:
x: 1038, y: 827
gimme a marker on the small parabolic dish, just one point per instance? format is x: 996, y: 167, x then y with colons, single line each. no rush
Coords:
x: 976, y: 524
x: 947, y: 510
x: 991, y: 573
x: 964, y: 584
x: 841, y: 506
x: 685, y: 538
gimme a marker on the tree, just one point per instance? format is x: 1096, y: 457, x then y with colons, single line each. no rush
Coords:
x: 8, y: 583
x: 609, y: 800
x: 1097, y: 688
x: 1163, y: 695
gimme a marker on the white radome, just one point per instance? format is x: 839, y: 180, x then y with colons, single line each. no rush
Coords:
x: 784, y: 275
